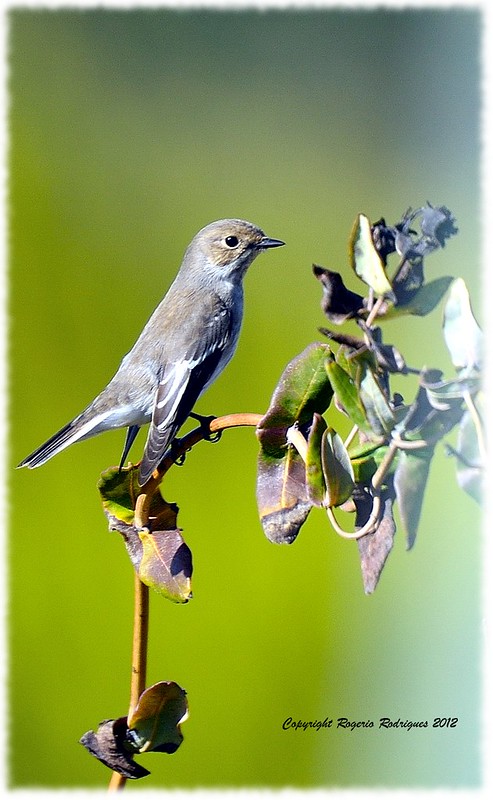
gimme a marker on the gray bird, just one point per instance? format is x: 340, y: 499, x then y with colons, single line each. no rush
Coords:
x: 187, y: 342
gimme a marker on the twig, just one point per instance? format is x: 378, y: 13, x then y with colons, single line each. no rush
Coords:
x: 179, y: 448
x: 139, y: 660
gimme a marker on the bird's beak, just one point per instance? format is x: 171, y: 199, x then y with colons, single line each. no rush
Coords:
x: 267, y: 242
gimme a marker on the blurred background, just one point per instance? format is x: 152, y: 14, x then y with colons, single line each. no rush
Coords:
x: 130, y: 130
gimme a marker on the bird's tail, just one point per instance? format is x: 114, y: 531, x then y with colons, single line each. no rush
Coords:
x: 79, y: 428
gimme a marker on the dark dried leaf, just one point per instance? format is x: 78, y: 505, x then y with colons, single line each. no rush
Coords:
x: 419, y: 301
x: 110, y: 746
x: 338, y: 302
x: 374, y: 548
x: 408, y: 280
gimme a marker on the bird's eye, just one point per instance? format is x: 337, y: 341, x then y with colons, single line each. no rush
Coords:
x: 231, y: 241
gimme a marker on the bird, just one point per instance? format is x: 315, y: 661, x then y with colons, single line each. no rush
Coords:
x: 187, y: 342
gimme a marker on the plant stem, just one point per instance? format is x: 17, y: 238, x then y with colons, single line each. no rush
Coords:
x: 139, y: 660
x: 216, y: 425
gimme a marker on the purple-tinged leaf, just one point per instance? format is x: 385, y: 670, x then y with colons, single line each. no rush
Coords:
x: 159, y: 555
x: 282, y: 496
x: 302, y: 391
x: 374, y: 548
x: 166, y: 564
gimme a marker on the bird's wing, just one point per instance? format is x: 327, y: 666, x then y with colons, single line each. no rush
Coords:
x: 179, y: 388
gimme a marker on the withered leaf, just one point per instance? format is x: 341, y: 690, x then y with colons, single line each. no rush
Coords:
x: 109, y: 745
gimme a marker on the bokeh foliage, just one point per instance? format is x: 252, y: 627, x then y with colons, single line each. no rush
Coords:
x: 129, y: 130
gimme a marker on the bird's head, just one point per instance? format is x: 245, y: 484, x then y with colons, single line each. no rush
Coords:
x: 226, y: 248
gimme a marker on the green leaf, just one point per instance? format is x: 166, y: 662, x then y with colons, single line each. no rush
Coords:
x: 315, y: 482
x: 377, y: 410
x: 410, y: 479
x: 463, y: 336
x: 166, y: 564
x: 154, y: 724
x: 470, y: 467
x: 302, y: 391
x: 423, y: 301
x: 366, y: 462
x: 119, y: 491
x: 337, y: 469
x: 348, y: 396
x: 366, y: 260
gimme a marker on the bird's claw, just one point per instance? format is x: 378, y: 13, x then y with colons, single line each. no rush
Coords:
x: 205, y: 423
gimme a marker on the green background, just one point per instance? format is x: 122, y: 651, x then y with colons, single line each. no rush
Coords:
x: 130, y: 130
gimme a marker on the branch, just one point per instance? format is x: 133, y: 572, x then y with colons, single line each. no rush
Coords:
x: 178, y: 449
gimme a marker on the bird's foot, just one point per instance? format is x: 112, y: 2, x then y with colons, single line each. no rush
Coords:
x: 205, y: 425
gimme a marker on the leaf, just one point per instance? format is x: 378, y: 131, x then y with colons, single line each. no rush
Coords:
x: 282, y: 496
x: 119, y: 491
x: 154, y: 724
x: 374, y: 548
x: 109, y: 745
x: 302, y: 391
x: 315, y: 483
x: 338, y: 302
x: 337, y: 469
x: 423, y: 421
x: 366, y: 461
x: 470, y: 469
x: 166, y: 564
x: 348, y: 396
x: 377, y: 410
x: 365, y: 259
x: 159, y: 555
x: 462, y: 334
x: 410, y: 479
x: 422, y: 302
x: 446, y: 395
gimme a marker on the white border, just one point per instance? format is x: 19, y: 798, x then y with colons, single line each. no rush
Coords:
x: 486, y: 7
